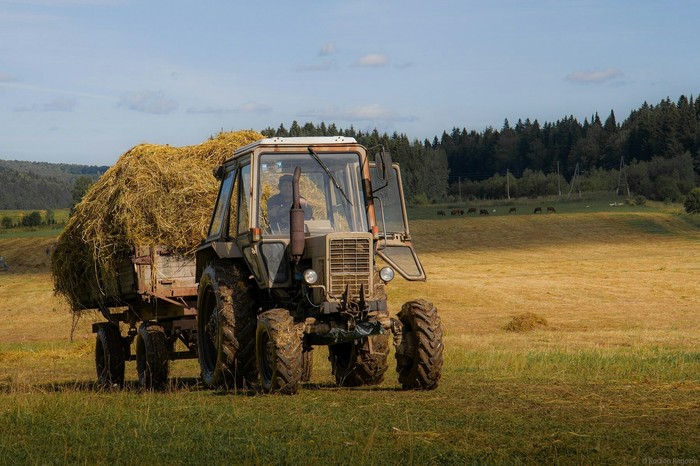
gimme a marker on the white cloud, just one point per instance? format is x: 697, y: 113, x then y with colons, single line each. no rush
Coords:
x: 327, y: 49
x: 209, y: 111
x: 7, y: 78
x: 61, y: 3
x: 60, y: 104
x: 371, y: 112
x: 248, y: 107
x: 594, y: 77
x: 154, y: 102
x: 373, y: 59
x: 326, y: 65
x: 254, y: 107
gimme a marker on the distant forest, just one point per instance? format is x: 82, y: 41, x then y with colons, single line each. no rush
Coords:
x: 40, y: 185
x: 654, y: 153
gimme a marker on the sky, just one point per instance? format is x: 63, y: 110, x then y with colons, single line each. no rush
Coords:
x: 82, y: 81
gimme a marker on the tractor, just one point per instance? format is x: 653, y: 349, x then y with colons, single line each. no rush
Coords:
x: 305, y: 235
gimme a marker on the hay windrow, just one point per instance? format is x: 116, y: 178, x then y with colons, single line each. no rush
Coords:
x: 526, y: 322
x: 153, y: 195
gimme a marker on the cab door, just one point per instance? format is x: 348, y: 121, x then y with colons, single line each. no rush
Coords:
x: 394, y: 245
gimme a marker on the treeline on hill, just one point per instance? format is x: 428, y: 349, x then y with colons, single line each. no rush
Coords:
x: 658, y: 144
x: 20, y: 190
x: 41, y: 185
x: 61, y: 171
x: 654, y: 154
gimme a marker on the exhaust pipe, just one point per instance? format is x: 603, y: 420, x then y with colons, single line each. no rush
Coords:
x: 296, y: 220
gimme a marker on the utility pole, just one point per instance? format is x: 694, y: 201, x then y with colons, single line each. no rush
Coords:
x: 459, y: 183
x: 508, y: 183
x: 573, y: 180
x: 619, y: 178
x: 558, y: 180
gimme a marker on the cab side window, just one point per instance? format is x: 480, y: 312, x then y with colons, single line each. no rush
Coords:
x: 233, y: 207
x: 219, y: 218
x: 243, y: 193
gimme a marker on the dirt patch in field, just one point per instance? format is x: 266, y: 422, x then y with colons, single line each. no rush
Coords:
x: 526, y: 322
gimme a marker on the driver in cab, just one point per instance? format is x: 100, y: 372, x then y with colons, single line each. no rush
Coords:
x: 278, y: 206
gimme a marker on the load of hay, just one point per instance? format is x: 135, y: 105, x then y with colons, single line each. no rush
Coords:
x: 153, y: 195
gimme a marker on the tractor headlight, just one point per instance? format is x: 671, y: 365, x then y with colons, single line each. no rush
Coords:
x: 386, y: 274
x: 310, y: 276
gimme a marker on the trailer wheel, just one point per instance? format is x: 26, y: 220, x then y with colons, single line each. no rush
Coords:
x: 226, y: 322
x: 359, y: 363
x: 278, y: 346
x: 419, y: 356
x: 109, y: 356
x: 152, y: 357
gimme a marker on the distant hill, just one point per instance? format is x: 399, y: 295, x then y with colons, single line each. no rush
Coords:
x: 40, y: 185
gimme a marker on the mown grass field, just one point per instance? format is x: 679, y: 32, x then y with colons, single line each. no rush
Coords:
x: 611, y: 374
x: 60, y: 215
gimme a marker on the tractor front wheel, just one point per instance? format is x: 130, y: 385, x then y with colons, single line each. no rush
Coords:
x: 307, y: 364
x: 419, y: 355
x: 359, y: 363
x: 278, y: 349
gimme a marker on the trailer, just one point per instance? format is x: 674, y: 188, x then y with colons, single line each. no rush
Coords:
x: 152, y: 301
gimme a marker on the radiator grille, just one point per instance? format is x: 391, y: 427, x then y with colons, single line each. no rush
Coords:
x: 350, y: 265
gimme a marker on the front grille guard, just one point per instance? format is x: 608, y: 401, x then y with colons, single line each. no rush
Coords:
x: 349, y: 268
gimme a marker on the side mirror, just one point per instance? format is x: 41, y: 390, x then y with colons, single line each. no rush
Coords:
x: 218, y: 172
x: 384, y: 167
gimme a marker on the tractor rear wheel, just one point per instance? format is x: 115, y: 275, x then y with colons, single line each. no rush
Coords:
x: 152, y: 357
x: 355, y: 364
x: 226, y: 322
x: 419, y: 355
x: 279, y: 352
x: 109, y: 356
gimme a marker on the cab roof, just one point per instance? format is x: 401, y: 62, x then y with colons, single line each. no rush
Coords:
x: 296, y: 141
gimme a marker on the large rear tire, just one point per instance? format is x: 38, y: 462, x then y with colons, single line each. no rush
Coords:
x: 152, y: 357
x: 109, y: 356
x: 226, y: 322
x: 419, y: 356
x: 355, y: 364
x: 279, y: 352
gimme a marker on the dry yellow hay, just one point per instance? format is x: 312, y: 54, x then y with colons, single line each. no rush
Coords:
x: 526, y: 322
x: 153, y: 195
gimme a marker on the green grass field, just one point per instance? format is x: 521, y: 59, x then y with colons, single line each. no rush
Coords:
x: 611, y: 373
x: 43, y: 231
x: 60, y: 215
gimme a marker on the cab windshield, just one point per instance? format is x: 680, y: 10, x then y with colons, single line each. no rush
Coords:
x: 330, y: 203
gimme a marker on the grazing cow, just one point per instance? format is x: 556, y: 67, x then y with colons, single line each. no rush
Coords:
x: 551, y: 209
x: 512, y: 210
x: 483, y: 212
x: 441, y: 212
x: 471, y: 210
x: 454, y: 212
x: 538, y: 210
x: 461, y: 212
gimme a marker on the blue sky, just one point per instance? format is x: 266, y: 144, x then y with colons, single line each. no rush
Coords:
x: 82, y: 81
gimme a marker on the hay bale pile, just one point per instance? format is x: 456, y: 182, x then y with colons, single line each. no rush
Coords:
x: 153, y: 195
x: 526, y: 322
